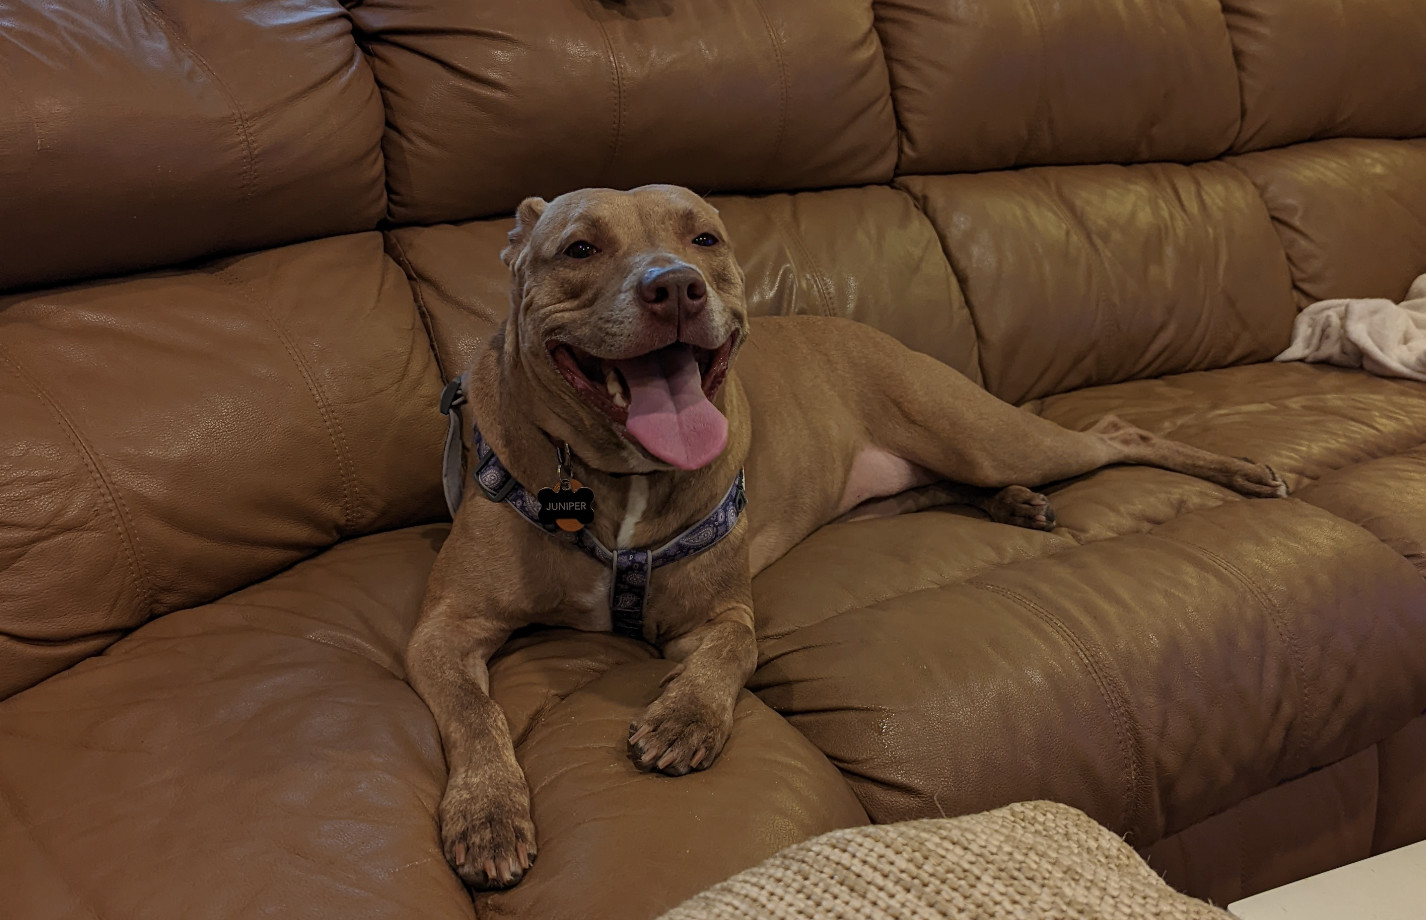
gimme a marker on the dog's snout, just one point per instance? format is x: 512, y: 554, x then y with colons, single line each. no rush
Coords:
x: 673, y: 288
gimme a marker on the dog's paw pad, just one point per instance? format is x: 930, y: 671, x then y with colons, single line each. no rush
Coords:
x: 1258, y: 480
x: 1021, y: 507
x: 677, y: 736
x: 487, y: 835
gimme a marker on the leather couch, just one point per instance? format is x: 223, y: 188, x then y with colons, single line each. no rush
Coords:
x: 242, y: 244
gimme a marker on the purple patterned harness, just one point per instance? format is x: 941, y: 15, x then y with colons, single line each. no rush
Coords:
x: 632, y: 568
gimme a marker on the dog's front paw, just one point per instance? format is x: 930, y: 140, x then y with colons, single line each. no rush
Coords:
x: 1257, y: 480
x: 1021, y: 507
x: 486, y: 831
x: 681, y: 731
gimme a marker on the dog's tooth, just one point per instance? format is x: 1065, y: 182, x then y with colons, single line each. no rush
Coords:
x: 616, y: 389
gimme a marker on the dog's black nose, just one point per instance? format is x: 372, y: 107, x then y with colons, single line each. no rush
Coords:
x: 673, y: 290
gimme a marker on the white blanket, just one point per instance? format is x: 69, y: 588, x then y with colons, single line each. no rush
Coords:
x: 1382, y: 337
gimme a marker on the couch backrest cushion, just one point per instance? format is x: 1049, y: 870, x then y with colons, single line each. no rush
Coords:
x: 866, y: 254
x: 989, y: 85
x: 490, y: 102
x: 1328, y: 68
x: 1351, y: 214
x: 171, y: 438
x: 1085, y: 275
x: 137, y: 135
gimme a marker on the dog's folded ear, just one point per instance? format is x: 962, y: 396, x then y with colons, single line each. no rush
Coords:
x: 525, y: 217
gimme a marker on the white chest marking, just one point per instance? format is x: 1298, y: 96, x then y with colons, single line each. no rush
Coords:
x: 633, y: 511
x: 591, y: 609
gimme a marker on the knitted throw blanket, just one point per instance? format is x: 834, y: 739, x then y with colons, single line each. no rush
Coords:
x: 1025, y: 861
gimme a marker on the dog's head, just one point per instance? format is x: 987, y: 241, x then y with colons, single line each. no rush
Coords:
x: 627, y: 310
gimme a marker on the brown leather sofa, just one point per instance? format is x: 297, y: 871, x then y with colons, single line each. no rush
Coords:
x: 243, y: 243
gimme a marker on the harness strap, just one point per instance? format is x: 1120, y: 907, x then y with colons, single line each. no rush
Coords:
x: 631, y: 569
x: 452, y: 460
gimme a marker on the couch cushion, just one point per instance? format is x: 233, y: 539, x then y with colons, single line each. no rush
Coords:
x: 254, y: 756
x: 1345, y: 441
x: 1304, y: 420
x: 944, y: 662
x: 487, y: 103
x: 1401, y: 808
x: 939, y: 686
x: 1015, y: 82
x: 1351, y: 214
x: 866, y: 254
x: 1385, y: 496
x: 169, y: 439
x: 137, y: 135
x: 266, y: 751
x: 1302, y: 827
x: 1319, y: 68
x: 1086, y: 275
x: 615, y: 842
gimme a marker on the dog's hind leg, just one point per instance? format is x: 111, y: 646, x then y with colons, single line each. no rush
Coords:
x: 1014, y: 505
x: 933, y: 416
x: 1240, y: 474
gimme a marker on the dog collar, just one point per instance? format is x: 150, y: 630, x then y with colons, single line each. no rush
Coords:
x: 632, y: 569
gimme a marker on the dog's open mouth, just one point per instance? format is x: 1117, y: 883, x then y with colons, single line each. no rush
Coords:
x: 663, y: 398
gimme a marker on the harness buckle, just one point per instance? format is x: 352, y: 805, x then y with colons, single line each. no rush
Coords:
x: 452, y: 396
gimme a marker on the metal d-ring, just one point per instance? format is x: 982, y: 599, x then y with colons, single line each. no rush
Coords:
x: 563, y: 466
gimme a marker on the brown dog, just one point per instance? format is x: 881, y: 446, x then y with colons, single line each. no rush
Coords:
x: 627, y: 314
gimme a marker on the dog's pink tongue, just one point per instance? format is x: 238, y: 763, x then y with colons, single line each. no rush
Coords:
x: 668, y: 412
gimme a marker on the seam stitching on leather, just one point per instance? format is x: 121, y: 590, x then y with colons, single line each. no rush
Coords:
x: 118, y: 509
x: 403, y: 262
x: 1114, y: 698
x: 819, y: 279
x: 616, y: 75
x: 330, y: 421
x: 1280, y: 626
x: 783, y: 96
x: 240, y: 118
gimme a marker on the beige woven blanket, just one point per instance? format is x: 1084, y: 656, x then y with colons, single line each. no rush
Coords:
x: 1030, y: 860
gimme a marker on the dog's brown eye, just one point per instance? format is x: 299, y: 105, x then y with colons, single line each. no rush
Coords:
x: 580, y: 249
x: 705, y: 239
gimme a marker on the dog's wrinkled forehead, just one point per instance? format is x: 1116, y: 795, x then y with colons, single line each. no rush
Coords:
x: 648, y: 217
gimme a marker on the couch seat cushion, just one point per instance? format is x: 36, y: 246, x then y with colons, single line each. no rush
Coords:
x: 1305, y: 420
x: 259, y: 754
x: 1171, y: 649
x: 1343, y: 440
x: 263, y: 755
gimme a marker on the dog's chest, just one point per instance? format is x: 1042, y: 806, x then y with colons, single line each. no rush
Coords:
x: 587, y: 605
x: 586, y: 596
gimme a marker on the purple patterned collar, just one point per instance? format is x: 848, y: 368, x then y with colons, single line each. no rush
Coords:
x: 632, y: 568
